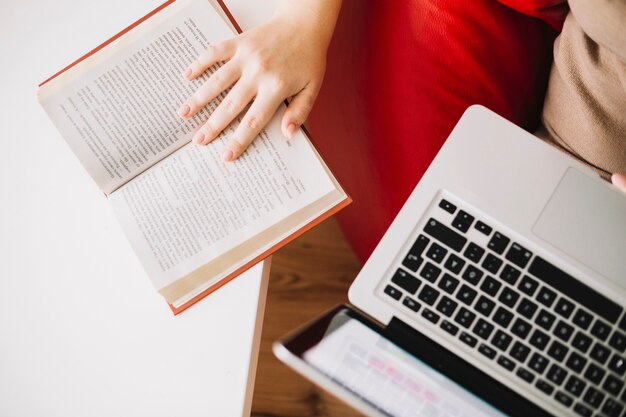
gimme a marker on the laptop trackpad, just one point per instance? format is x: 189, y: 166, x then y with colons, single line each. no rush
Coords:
x: 586, y: 219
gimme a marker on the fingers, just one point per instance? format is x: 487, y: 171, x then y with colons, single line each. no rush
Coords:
x: 259, y: 114
x: 221, y: 80
x: 619, y: 180
x: 298, y: 110
x: 222, y: 51
x: 234, y: 102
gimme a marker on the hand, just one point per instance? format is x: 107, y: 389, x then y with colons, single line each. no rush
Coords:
x: 285, y: 58
x: 619, y: 180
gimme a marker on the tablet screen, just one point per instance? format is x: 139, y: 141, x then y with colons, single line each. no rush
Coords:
x: 387, y: 377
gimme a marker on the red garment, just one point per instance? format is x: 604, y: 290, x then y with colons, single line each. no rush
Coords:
x: 399, y: 76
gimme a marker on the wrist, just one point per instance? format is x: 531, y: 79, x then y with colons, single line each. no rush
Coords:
x: 314, y: 16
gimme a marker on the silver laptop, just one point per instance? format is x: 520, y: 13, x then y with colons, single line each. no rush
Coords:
x: 499, y: 289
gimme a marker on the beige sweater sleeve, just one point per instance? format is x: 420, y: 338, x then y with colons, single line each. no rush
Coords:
x: 585, y: 107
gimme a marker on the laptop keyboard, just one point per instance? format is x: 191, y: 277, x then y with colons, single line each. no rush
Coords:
x: 516, y: 309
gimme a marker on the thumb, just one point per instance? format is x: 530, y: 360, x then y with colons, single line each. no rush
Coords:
x: 298, y: 110
x: 619, y: 180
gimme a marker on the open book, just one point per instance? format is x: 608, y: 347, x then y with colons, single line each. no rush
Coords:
x: 194, y: 221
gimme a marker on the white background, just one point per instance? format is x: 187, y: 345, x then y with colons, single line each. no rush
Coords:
x: 82, y: 331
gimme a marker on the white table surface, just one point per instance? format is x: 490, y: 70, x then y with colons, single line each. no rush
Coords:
x: 82, y: 330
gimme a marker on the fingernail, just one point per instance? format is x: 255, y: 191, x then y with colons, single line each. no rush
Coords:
x: 227, y: 155
x: 291, y: 129
x: 184, y: 110
x: 198, y: 138
x: 187, y: 73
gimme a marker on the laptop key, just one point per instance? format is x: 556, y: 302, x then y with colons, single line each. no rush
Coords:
x: 617, y: 364
x: 508, y: 297
x: 428, y: 295
x: 556, y: 374
x: 519, y: 352
x: 466, y: 294
x: 405, y: 281
x: 448, y: 283
x: 414, y: 258
x: 393, y: 292
x: 472, y: 274
x: 575, y: 386
x: 446, y: 306
x: 581, y: 342
x: 613, y: 385
x: 506, y: 363
x: 492, y: 263
x: 487, y: 351
x: 445, y: 235
x: 411, y: 304
x: 582, y: 410
x: 491, y: 286
x: 594, y: 373
x: 498, y: 243
x: 528, y: 285
x: 527, y: 308
x: 600, y: 330
x: 465, y: 317
x: 484, y: 306
x: 430, y: 272
x: 612, y: 408
x: 468, y: 339
x: 437, y: 252
x: 412, y: 262
x: 454, y: 263
x: 501, y: 340
x: 545, y: 319
x: 510, y: 274
x: 557, y: 350
x: 447, y: 206
x: 563, y: 398
x: 525, y: 374
x: 483, y: 329
x: 430, y: 315
x: 582, y: 319
x: 503, y: 317
x: 539, y: 339
x: 518, y: 255
x: 563, y: 331
x: 463, y: 221
x: 593, y: 397
x: 521, y: 328
x: 618, y: 341
x: 538, y: 363
x: 449, y: 327
x: 546, y: 296
x: 600, y: 353
x: 564, y: 307
x: 544, y: 387
x: 473, y: 252
x: 483, y: 228
x: 576, y: 362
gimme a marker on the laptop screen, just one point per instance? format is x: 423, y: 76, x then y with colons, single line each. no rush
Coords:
x: 388, y: 378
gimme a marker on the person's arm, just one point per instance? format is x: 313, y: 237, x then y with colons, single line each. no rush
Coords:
x: 282, y: 59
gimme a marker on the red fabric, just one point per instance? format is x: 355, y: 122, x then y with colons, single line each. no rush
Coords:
x: 552, y: 12
x: 400, y: 74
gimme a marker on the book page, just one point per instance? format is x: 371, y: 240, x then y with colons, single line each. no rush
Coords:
x: 192, y: 208
x: 117, y: 109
